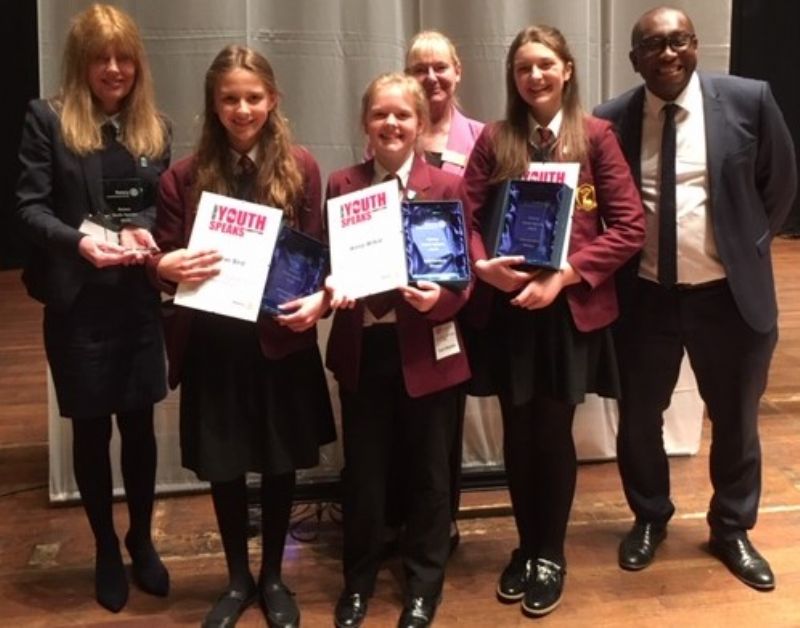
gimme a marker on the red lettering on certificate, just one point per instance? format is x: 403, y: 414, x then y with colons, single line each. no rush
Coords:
x: 236, y: 222
x: 360, y: 209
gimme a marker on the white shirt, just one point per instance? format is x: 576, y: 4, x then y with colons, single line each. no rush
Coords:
x: 698, y: 259
x: 403, y: 173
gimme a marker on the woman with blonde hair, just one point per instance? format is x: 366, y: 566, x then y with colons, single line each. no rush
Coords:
x: 102, y: 329
x: 448, y: 139
x: 253, y: 396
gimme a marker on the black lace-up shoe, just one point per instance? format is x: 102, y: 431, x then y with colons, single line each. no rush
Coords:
x: 351, y: 609
x: 744, y: 561
x: 418, y: 612
x: 638, y: 548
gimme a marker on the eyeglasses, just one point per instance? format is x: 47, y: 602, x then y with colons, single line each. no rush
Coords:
x: 678, y: 42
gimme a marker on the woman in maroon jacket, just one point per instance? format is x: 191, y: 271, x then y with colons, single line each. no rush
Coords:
x: 549, y: 329
x: 253, y: 396
x: 395, y: 390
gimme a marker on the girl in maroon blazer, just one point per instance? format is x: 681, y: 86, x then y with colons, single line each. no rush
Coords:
x: 395, y: 390
x: 253, y: 396
x: 549, y: 329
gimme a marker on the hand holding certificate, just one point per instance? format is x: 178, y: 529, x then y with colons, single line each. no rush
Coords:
x: 244, y: 234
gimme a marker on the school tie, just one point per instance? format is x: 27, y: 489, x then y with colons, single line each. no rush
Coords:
x: 381, y: 304
x: 543, y: 151
x: 667, y: 222
x: 247, y: 166
x: 245, y: 178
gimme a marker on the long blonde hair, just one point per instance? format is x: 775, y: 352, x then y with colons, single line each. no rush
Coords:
x: 279, y: 181
x: 143, y: 131
x: 511, y: 140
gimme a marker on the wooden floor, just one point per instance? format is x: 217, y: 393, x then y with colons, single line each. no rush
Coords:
x: 46, y: 554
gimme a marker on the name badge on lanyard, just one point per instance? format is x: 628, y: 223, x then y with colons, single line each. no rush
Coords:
x: 453, y: 157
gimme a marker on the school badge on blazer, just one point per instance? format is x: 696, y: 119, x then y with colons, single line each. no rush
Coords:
x: 585, y: 198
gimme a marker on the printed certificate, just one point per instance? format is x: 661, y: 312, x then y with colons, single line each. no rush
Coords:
x: 244, y: 234
x: 367, y: 248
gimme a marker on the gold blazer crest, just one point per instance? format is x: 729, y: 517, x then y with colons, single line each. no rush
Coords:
x: 585, y: 198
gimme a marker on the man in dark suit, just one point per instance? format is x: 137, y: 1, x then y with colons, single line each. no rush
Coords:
x: 716, y: 169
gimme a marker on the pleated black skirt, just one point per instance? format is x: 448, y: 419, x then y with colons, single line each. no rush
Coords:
x: 241, y: 412
x: 528, y: 353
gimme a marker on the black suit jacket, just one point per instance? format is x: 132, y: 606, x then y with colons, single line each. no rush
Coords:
x: 752, y: 179
x: 56, y: 191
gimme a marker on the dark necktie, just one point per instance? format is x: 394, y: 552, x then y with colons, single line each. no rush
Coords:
x: 544, y: 149
x: 667, y: 227
x: 245, y: 177
x: 247, y: 167
x: 381, y: 304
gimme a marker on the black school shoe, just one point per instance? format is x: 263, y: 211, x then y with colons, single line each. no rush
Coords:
x: 514, y: 580
x: 229, y: 607
x: 279, y: 607
x: 350, y: 611
x: 545, y: 588
x: 418, y: 612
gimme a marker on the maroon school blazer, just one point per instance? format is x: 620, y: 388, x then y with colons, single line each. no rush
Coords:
x: 422, y: 373
x: 174, y: 220
x: 605, y: 233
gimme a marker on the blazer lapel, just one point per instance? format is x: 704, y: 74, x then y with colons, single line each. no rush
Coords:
x: 714, y: 119
x: 419, y: 181
x: 630, y: 129
x: 359, y: 177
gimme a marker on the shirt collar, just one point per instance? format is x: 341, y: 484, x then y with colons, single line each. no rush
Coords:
x: 533, y: 125
x: 690, y: 99
x: 252, y: 154
x: 403, y: 172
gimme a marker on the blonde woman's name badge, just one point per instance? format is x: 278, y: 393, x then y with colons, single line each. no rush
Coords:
x: 585, y: 198
x: 454, y: 157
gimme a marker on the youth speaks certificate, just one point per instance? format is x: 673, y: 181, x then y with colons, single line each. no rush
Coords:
x: 245, y: 235
x: 367, y: 248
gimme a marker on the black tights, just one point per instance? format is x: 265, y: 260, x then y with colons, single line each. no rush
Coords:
x: 92, y: 466
x: 541, y: 467
x: 230, y: 505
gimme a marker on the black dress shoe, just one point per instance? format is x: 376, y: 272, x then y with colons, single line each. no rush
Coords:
x: 279, y: 607
x: 350, y: 611
x: 638, y: 548
x: 545, y: 588
x: 110, y: 580
x: 744, y: 561
x: 418, y: 612
x: 149, y: 573
x: 515, y: 577
x: 229, y: 607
